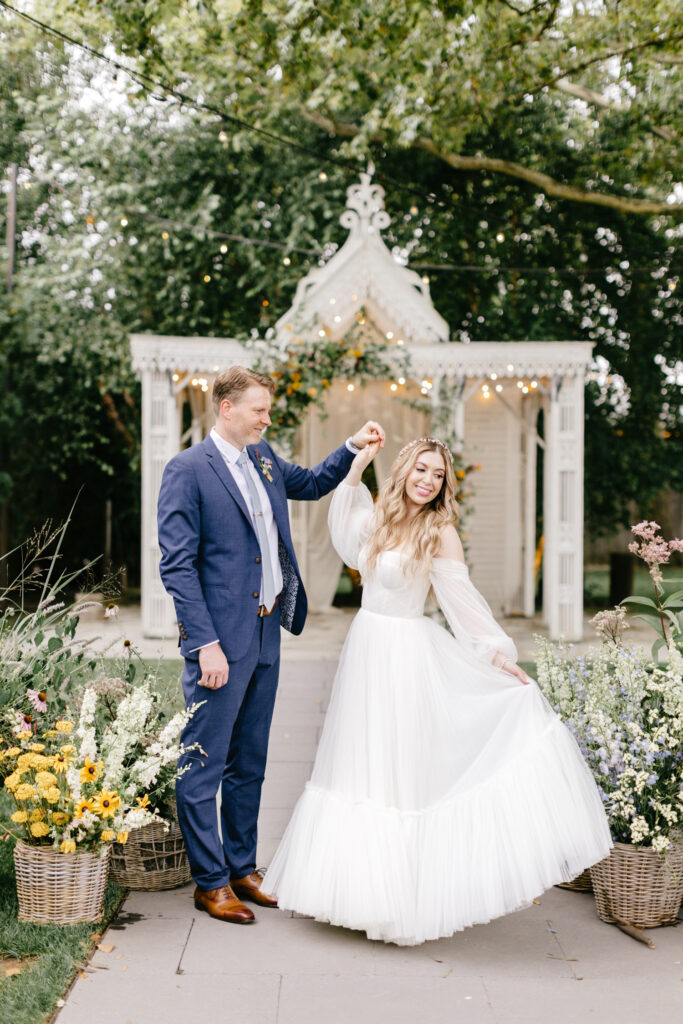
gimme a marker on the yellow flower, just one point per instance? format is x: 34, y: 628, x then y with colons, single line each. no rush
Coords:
x: 25, y: 792
x: 107, y: 835
x: 60, y: 762
x: 68, y: 748
x: 25, y: 761
x: 91, y: 772
x: 20, y: 817
x: 106, y: 803
x: 38, y: 747
x: 50, y: 734
x: 81, y: 807
x: 143, y: 801
x: 39, y: 828
x: 64, y: 726
x: 59, y: 817
x: 122, y: 838
x: 68, y: 846
x: 40, y: 762
x: 13, y: 751
x: 36, y: 814
x: 12, y: 781
x: 24, y: 735
x: 52, y: 795
x: 460, y: 474
x: 46, y: 779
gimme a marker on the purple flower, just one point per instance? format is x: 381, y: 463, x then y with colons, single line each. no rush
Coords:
x: 38, y: 699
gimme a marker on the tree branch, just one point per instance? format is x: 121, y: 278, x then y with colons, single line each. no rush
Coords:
x: 598, y: 100
x: 551, y: 187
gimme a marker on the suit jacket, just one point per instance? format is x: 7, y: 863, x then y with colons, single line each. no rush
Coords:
x: 210, y: 555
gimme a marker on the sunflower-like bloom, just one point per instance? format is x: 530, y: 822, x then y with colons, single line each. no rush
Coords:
x: 82, y: 806
x: 91, y: 772
x: 107, y: 803
x: 60, y: 763
x: 143, y: 801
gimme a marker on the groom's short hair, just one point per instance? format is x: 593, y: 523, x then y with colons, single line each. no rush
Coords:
x: 233, y: 382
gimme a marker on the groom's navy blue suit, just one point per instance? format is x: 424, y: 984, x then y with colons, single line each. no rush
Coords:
x: 211, y: 566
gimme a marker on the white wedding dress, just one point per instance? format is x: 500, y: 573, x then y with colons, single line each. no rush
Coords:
x: 444, y: 793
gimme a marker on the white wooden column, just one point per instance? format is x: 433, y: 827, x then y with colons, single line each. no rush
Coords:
x: 563, y: 509
x: 529, y: 507
x: 160, y: 442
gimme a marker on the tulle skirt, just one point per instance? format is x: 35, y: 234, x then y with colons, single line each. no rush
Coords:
x: 444, y: 793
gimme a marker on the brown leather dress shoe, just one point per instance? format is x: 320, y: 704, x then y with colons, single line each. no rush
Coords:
x: 223, y: 904
x: 249, y: 888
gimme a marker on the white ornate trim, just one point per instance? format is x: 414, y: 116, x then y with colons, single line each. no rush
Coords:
x: 160, y: 352
x: 505, y: 358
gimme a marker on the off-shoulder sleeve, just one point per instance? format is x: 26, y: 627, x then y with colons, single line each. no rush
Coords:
x: 349, y: 519
x: 466, y: 611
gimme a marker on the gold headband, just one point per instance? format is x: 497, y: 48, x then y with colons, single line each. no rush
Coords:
x: 426, y: 440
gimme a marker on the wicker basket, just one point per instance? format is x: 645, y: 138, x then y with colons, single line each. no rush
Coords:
x: 582, y: 883
x: 153, y: 858
x: 60, y: 888
x: 637, y: 886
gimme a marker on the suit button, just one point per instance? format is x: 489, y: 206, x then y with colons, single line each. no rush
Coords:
x: 255, y: 593
x: 257, y: 559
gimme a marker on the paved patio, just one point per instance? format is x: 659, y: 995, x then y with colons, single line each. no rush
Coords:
x: 554, y: 961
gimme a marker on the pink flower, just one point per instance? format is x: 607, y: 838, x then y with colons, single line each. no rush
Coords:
x: 38, y: 699
x: 111, y: 611
x: 676, y: 544
x: 646, y: 529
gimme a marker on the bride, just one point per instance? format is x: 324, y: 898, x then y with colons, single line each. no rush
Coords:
x: 445, y: 791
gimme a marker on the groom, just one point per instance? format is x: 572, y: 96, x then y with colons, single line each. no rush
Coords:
x: 228, y: 562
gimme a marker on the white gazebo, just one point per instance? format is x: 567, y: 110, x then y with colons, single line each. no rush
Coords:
x: 485, y: 396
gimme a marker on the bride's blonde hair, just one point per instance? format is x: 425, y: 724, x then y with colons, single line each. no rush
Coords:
x: 424, y: 537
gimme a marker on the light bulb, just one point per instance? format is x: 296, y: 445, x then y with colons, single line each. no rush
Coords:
x: 207, y: 278
x: 401, y: 380
x: 224, y: 248
x: 394, y: 387
x: 350, y: 387
x: 123, y: 222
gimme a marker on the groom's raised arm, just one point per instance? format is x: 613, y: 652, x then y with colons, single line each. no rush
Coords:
x: 310, y: 484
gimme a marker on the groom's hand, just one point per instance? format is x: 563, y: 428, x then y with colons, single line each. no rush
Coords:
x: 214, y: 666
x: 370, y: 433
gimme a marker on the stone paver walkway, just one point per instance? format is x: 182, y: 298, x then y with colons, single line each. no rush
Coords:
x: 554, y: 962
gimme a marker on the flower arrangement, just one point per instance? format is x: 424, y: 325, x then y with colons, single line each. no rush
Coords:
x: 626, y: 714
x: 665, y: 612
x: 78, y: 786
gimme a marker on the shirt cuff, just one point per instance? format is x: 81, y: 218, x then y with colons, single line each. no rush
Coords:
x: 352, y: 447
x: 203, y: 646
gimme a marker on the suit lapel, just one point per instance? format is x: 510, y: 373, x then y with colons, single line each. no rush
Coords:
x: 278, y: 506
x: 217, y: 463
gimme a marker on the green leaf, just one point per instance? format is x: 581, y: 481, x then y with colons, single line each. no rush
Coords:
x: 54, y: 644
x: 651, y: 620
x: 647, y: 601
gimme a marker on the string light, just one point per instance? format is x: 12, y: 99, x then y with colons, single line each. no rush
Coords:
x: 400, y: 341
x: 401, y: 380
x: 534, y: 383
x: 332, y: 302
x: 393, y: 387
x: 510, y: 367
x: 223, y: 137
x: 389, y: 335
x: 322, y: 176
x: 425, y: 278
x: 413, y: 210
x: 124, y: 222
x: 164, y: 235
x: 207, y: 278
x: 337, y: 319
x: 286, y: 261
x: 176, y: 377
x: 350, y: 387
x: 321, y: 333
x: 224, y: 248
x: 494, y: 376
x: 499, y: 387
x: 525, y: 390
x: 500, y: 237
x: 520, y: 383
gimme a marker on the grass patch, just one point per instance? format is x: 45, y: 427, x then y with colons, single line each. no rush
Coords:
x: 54, y: 953
x: 596, y: 584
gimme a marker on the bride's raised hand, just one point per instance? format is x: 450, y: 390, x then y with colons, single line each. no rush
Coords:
x: 513, y: 669
x: 361, y: 462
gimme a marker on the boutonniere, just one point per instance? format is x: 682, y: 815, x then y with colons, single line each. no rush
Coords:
x: 265, y: 465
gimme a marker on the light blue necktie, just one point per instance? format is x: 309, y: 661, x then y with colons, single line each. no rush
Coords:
x: 269, y: 594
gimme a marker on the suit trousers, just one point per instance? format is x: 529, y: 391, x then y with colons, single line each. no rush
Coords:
x: 232, y: 727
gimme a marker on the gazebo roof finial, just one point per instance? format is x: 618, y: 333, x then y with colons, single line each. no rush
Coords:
x: 365, y: 213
